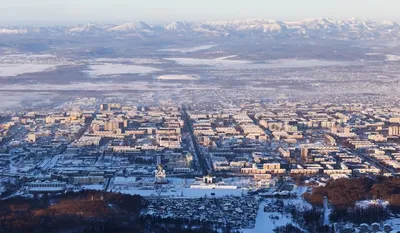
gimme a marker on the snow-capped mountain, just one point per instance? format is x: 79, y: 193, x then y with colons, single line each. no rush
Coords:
x: 260, y: 25
x: 177, y: 26
x: 88, y: 28
x: 13, y: 31
x: 131, y: 27
x: 307, y: 28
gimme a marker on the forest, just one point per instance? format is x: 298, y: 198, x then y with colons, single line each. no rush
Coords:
x: 86, y: 212
x: 343, y: 194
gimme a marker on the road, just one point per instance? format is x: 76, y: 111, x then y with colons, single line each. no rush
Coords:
x: 373, y: 162
x: 200, y: 157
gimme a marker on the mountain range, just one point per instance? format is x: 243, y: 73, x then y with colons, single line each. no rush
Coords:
x: 308, y: 28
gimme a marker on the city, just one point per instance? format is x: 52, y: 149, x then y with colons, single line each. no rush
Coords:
x: 188, y: 116
x: 235, y: 159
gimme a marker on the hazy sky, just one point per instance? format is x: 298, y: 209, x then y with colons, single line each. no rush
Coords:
x: 193, y: 10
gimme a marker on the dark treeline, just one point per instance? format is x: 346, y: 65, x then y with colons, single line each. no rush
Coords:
x: 288, y: 228
x: 88, y: 212
x: 360, y: 215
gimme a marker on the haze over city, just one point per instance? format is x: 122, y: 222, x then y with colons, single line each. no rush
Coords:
x: 200, y: 116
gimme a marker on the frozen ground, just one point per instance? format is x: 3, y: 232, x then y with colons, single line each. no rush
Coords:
x: 29, y: 55
x: 178, y: 77
x: 217, y: 62
x: 392, y: 57
x: 17, y: 99
x: 93, y: 187
x: 266, y: 223
x: 101, y: 86
x: 188, y: 50
x: 119, y: 69
x: 9, y: 70
x: 394, y: 223
x: 226, y: 63
x: 137, y: 61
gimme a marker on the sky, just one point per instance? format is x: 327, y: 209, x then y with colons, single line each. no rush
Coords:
x: 153, y: 11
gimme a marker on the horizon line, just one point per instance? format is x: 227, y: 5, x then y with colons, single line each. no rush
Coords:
x: 163, y: 22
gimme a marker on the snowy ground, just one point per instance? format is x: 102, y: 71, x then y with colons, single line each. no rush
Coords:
x: 394, y: 223
x: 367, y: 203
x: 93, y: 187
x: 28, y: 55
x: 208, y: 62
x: 265, y: 221
x: 9, y: 70
x: 17, y: 99
x: 268, y: 221
x: 98, y: 86
x: 137, y: 61
x: 188, y: 50
x: 226, y: 63
x: 119, y: 69
x: 178, y: 77
x: 392, y: 57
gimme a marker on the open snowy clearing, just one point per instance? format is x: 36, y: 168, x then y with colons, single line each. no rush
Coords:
x: 17, y: 99
x: 392, y: 57
x: 188, y: 50
x: 29, y: 55
x: 137, y: 61
x: 265, y: 221
x: 10, y: 70
x: 226, y: 63
x: 208, y: 62
x: 178, y: 77
x: 119, y: 69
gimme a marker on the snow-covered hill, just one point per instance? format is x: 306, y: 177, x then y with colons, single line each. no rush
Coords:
x: 177, y: 26
x: 131, y: 27
x: 318, y: 28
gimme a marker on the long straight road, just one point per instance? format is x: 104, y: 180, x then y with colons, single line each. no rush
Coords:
x: 200, y: 156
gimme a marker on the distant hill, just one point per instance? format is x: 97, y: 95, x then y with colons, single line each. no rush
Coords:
x: 349, y: 29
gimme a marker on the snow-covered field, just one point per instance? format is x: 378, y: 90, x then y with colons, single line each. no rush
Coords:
x: 392, y: 57
x: 178, y: 77
x: 227, y: 63
x: 9, y: 70
x: 188, y: 50
x: 102, y: 86
x: 208, y: 62
x: 394, y: 223
x: 265, y: 221
x: 297, y: 63
x: 29, y: 55
x: 137, y: 61
x: 15, y: 100
x: 119, y: 69
x: 268, y: 221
